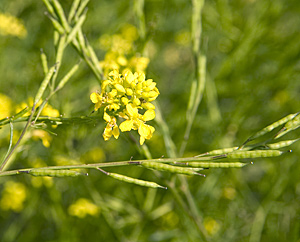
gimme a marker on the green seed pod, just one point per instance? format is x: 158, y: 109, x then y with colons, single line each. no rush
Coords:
x: 273, y: 126
x: 219, y: 151
x: 253, y: 154
x: 53, y: 173
x: 289, y: 126
x: 282, y: 144
x: 44, y: 84
x: 135, y: 181
x: 164, y: 167
x: 217, y: 164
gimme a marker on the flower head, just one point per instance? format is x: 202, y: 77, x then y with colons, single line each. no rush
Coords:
x: 124, y: 96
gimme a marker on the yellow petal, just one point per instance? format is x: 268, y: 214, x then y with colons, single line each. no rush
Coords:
x: 132, y: 111
x: 95, y: 97
x: 116, y: 132
x: 144, y: 130
x: 107, y: 132
x: 104, y: 84
x: 148, y: 106
x: 142, y: 140
x: 106, y: 117
x: 129, y: 77
x: 120, y: 88
x: 114, y: 73
x: 149, y: 115
x: 126, y: 125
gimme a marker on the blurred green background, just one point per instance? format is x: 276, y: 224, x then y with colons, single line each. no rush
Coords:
x: 253, y: 73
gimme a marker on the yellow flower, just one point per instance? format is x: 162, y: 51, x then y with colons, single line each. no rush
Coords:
x: 43, y: 135
x: 139, y: 64
x: 111, y: 128
x: 123, y: 95
x: 145, y: 132
x: 83, y: 207
x: 10, y: 25
x: 5, y: 106
x: 13, y: 196
x: 211, y: 225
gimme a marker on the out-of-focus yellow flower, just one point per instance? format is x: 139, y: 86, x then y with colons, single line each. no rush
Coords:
x: 121, y: 54
x: 183, y: 37
x: 123, y: 95
x: 83, y: 207
x: 139, y: 64
x: 42, y: 135
x: 95, y: 154
x: 211, y: 225
x: 229, y: 193
x: 129, y: 32
x: 13, y: 196
x: 10, y: 25
x: 48, y: 110
x: 38, y: 182
x: 5, y: 106
x: 65, y: 160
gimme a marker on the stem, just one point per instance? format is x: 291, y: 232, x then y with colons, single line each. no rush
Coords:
x: 111, y: 164
x: 19, y: 140
x: 200, y: 69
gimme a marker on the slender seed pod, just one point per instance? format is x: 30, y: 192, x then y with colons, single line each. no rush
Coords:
x: 253, y: 154
x: 75, y: 29
x: 56, y: 24
x: 61, y: 15
x: 49, y: 7
x: 289, y: 126
x: 44, y: 84
x: 135, y: 181
x: 294, y: 122
x: 282, y: 144
x: 217, y: 164
x: 273, y: 126
x: 53, y: 173
x: 44, y: 62
x: 219, y: 151
x: 168, y: 168
x: 73, y: 9
x: 81, y: 8
x: 94, y: 58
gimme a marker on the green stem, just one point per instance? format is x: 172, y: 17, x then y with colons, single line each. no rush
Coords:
x: 200, y: 69
x: 112, y: 164
x: 19, y: 140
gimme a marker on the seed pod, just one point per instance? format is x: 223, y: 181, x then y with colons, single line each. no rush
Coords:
x: 44, y: 84
x: 282, y: 144
x: 164, y: 167
x: 273, y: 126
x: 219, y: 151
x: 217, y: 164
x: 289, y: 126
x: 135, y: 181
x: 253, y: 154
x: 53, y: 173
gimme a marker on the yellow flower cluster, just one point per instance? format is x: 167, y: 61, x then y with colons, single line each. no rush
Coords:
x: 10, y: 25
x: 83, y: 207
x: 123, y: 95
x: 13, y: 196
x: 119, y: 47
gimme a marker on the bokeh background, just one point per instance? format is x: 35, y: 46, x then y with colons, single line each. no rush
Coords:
x: 253, y: 73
